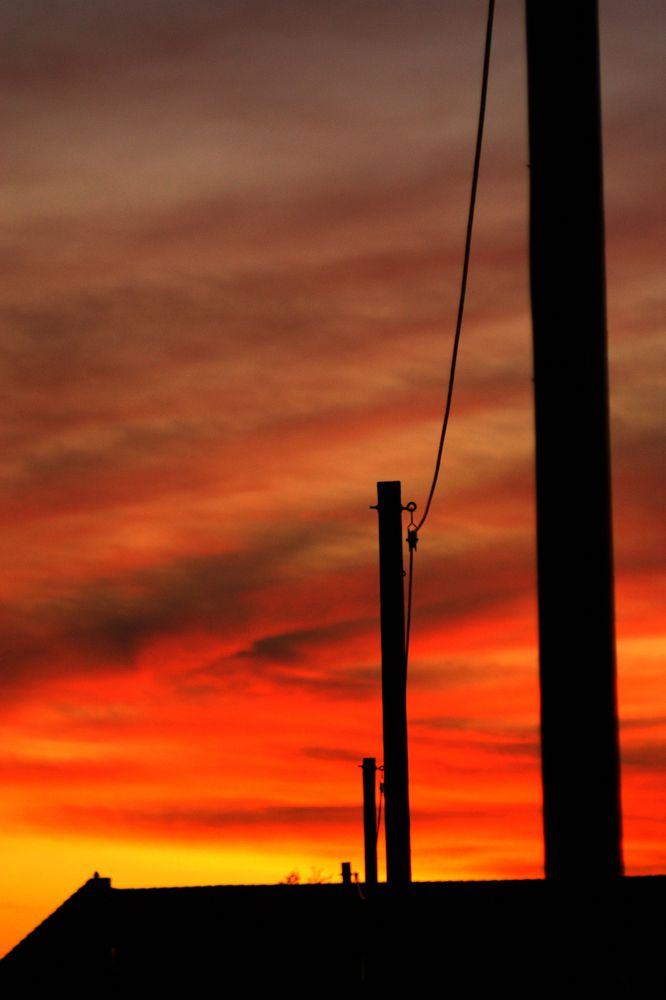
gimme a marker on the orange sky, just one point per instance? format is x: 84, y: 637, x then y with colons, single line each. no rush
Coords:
x: 232, y: 242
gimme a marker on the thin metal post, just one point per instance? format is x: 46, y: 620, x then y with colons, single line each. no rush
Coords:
x: 579, y: 731
x: 370, y: 819
x: 394, y: 685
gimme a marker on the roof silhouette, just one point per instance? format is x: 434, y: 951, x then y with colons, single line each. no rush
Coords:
x: 465, y: 935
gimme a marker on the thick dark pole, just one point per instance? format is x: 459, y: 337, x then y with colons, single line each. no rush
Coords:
x: 394, y: 685
x: 370, y: 819
x: 579, y: 732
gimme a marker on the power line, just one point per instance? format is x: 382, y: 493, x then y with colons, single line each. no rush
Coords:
x: 412, y: 539
x: 466, y: 256
x: 412, y: 536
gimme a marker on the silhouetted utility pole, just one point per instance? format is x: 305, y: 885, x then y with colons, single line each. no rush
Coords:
x: 394, y: 685
x: 370, y: 819
x: 579, y: 732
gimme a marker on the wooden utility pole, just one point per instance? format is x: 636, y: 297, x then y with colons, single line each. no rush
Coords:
x: 370, y: 819
x: 579, y: 731
x: 394, y: 685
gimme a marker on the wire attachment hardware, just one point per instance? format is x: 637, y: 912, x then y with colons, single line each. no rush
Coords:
x: 412, y: 537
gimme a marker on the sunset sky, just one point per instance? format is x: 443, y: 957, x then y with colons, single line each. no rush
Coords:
x: 232, y: 241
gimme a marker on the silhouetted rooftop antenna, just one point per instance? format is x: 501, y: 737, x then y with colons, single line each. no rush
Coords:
x: 394, y: 685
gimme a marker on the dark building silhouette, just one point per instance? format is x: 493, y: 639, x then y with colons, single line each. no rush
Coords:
x: 461, y: 937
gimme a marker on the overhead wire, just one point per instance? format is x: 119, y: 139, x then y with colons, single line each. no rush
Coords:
x: 466, y: 256
x: 412, y: 535
x: 379, y: 810
x: 411, y: 543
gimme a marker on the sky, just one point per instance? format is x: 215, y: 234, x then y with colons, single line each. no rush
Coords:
x: 232, y: 249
